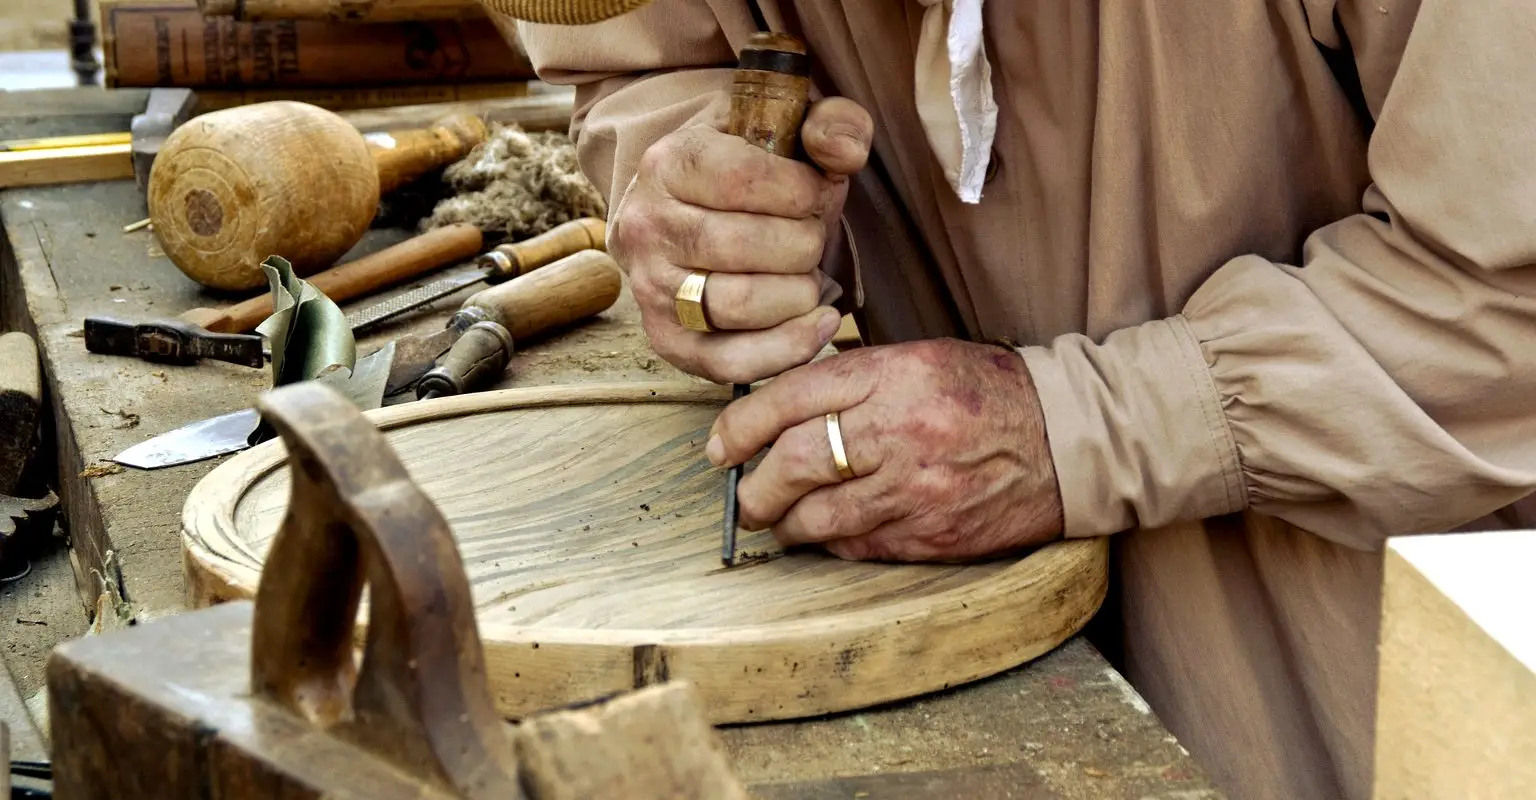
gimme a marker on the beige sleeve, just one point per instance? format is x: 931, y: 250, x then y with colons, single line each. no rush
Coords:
x: 1384, y: 386
x: 638, y: 77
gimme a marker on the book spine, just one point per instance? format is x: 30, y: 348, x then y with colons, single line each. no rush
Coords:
x: 343, y: 10
x: 355, y: 98
x: 172, y: 44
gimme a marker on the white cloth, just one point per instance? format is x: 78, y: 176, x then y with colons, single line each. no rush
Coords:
x: 954, y: 93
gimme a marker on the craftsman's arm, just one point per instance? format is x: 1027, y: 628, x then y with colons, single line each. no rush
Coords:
x: 638, y: 77
x: 1387, y: 384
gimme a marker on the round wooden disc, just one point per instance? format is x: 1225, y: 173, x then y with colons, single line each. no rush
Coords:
x: 589, y: 522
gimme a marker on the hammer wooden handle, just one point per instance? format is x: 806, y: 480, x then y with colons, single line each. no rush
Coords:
x: 567, y: 291
x: 422, y: 254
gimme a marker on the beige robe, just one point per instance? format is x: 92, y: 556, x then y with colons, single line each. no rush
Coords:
x: 1268, y: 256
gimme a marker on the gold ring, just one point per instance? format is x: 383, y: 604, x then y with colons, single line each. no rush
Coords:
x: 690, y: 302
x: 839, y: 455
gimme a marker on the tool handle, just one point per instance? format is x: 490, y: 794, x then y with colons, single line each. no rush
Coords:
x: 405, y: 155
x: 770, y: 95
x: 508, y: 261
x: 571, y: 289
x: 770, y: 92
x: 477, y: 360
x: 430, y: 251
x: 356, y: 518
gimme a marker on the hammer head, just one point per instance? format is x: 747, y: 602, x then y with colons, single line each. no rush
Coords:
x: 166, y: 110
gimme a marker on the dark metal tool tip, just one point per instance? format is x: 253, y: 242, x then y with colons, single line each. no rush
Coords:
x: 732, y: 478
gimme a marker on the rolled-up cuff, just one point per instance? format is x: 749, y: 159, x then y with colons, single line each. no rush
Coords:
x: 1136, y: 429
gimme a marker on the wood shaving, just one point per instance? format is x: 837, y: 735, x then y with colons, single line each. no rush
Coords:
x: 517, y: 183
x: 101, y: 469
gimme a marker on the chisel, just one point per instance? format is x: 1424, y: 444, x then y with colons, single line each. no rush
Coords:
x: 502, y: 263
x: 564, y: 293
x: 770, y: 93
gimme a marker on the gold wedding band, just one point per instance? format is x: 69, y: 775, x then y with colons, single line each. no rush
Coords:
x: 839, y: 455
x: 690, y: 302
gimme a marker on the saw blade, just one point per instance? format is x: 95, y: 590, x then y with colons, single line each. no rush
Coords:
x: 383, y: 311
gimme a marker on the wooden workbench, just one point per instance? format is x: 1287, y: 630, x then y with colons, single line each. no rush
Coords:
x: 1065, y: 726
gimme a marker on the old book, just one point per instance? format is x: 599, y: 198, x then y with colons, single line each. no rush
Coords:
x: 173, y: 44
x: 353, y: 98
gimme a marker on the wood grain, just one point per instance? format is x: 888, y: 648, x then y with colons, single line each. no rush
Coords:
x: 589, y: 523
x: 416, y: 256
x: 571, y: 289
x: 405, y: 155
x: 102, y: 162
x: 534, y: 113
x: 231, y: 188
x: 520, y: 258
x: 1456, y: 699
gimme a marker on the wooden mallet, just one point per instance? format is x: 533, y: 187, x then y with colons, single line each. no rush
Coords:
x: 233, y: 187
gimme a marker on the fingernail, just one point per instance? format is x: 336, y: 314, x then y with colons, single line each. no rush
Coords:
x: 715, y: 451
x: 827, y: 326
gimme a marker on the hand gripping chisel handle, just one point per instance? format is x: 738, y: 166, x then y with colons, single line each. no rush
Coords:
x: 770, y: 94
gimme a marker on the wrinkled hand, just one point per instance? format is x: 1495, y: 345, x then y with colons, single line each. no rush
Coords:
x: 946, y: 440
x: 704, y: 199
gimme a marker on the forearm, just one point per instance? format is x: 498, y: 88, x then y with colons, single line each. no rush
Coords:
x: 638, y: 77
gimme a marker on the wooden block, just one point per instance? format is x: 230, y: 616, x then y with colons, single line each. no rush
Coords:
x: 1456, y: 707
x: 21, y: 402
x: 848, y: 335
x: 652, y: 743
x: 269, y: 700
x: 52, y: 166
x: 163, y: 710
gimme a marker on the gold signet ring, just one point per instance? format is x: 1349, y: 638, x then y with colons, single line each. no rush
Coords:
x: 839, y: 455
x: 690, y: 302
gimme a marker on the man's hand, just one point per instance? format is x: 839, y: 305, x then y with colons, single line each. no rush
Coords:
x: 704, y: 199
x: 945, y: 438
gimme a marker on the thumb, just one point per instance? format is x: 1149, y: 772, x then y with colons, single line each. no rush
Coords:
x: 837, y: 135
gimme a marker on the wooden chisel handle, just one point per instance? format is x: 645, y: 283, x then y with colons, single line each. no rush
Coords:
x: 510, y: 260
x: 567, y: 291
x: 405, y: 155
x: 430, y: 251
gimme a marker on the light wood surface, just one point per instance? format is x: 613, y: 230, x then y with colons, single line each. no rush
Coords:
x: 534, y: 113
x: 589, y: 522
x: 521, y: 258
x: 573, y: 288
x: 48, y: 167
x: 416, y: 256
x: 233, y: 187
x: 1456, y: 706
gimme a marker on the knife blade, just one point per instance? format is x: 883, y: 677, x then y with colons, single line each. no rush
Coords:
x: 231, y: 433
